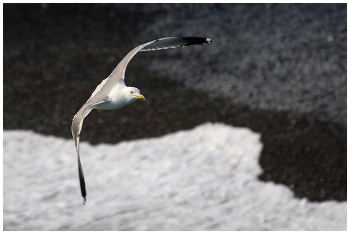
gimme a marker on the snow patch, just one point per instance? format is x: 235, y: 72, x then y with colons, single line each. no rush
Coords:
x: 199, y: 179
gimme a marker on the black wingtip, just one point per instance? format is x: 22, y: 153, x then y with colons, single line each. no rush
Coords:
x: 197, y: 40
x: 175, y: 42
x: 82, y: 181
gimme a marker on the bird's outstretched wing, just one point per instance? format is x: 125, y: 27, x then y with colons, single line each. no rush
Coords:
x: 118, y: 73
x: 77, y: 125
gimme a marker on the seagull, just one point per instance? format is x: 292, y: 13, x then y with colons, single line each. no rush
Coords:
x: 112, y: 93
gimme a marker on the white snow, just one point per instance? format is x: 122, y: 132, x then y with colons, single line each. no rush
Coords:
x: 200, y: 179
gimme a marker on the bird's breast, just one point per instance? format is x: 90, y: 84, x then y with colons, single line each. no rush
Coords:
x: 110, y: 105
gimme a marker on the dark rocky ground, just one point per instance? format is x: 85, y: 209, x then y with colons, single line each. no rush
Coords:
x: 276, y: 84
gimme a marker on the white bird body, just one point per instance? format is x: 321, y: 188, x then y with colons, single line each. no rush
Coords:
x: 112, y: 93
x: 118, y: 97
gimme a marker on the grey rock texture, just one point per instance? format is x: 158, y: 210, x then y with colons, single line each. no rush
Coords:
x: 268, y: 56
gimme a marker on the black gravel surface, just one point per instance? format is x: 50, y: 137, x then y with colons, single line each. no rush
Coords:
x: 56, y: 54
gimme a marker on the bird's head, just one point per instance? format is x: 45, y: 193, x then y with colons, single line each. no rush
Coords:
x: 132, y: 94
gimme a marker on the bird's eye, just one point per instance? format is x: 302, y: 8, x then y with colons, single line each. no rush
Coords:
x: 131, y: 91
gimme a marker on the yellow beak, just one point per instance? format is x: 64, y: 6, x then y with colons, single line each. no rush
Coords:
x: 140, y: 96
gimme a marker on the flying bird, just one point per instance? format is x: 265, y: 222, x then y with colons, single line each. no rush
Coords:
x: 112, y: 93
